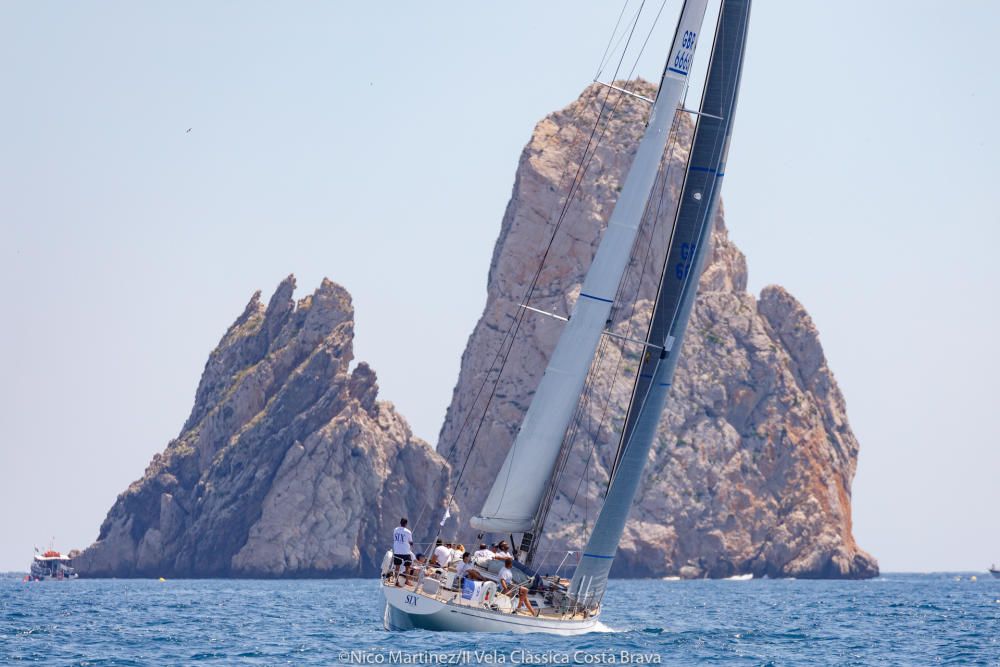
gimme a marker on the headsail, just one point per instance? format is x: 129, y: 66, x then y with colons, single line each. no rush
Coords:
x: 679, y: 284
x: 520, y: 484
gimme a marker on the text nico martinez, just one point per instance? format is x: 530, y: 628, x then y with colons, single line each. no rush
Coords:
x: 494, y: 657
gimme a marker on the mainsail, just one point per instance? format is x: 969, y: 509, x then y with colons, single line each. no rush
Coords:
x: 520, y: 485
x: 685, y: 256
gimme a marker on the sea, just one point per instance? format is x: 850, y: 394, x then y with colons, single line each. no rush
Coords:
x: 896, y: 619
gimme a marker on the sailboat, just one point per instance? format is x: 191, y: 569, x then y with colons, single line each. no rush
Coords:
x: 437, y: 598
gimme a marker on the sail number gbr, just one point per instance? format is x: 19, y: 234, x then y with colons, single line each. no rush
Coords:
x: 683, y: 267
x: 682, y: 59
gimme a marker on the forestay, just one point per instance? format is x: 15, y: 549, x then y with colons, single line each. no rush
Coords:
x: 521, y: 482
x: 685, y: 256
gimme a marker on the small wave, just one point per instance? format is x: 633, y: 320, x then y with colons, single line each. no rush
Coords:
x: 601, y: 627
x: 205, y: 655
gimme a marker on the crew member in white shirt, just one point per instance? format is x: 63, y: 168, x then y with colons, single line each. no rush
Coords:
x: 442, y: 555
x: 503, y: 551
x: 402, y: 547
x: 483, y: 553
x: 510, y: 589
x: 464, y: 569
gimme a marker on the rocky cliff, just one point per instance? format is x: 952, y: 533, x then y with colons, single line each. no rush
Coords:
x: 287, y: 466
x: 290, y: 466
x: 752, y: 468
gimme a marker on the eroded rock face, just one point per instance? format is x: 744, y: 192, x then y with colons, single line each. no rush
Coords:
x: 287, y: 466
x: 752, y: 467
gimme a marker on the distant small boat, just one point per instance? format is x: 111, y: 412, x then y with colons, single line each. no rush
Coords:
x: 994, y: 571
x: 740, y: 577
x: 52, y: 565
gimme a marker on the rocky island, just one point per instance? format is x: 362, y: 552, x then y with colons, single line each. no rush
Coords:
x: 285, y: 466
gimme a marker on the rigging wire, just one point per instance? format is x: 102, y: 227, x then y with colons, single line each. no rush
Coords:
x: 618, y: 101
x: 609, y: 50
x: 515, y: 326
x: 563, y: 455
x: 695, y: 233
x: 664, y: 178
x: 519, y: 318
x: 635, y: 301
x: 582, y: 406
x: 508, y: 338
x: 649, y: 325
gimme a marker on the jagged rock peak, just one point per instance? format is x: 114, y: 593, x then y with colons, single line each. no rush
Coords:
x: 260, y: 331
x: 289, y: 465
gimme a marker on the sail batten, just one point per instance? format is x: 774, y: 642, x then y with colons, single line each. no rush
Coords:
x: 521, y: 483
x: 682, y: 269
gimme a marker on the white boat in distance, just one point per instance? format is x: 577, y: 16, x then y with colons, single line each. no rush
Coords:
x: 524, y: 487
x: 51, y: 565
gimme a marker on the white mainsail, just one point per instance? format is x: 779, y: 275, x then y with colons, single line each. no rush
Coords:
x: 521, y: 483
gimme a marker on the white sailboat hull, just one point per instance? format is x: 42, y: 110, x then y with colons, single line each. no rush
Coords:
x: 407, y: 610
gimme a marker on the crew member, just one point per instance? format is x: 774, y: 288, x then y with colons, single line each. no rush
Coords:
x: 503, y: 551
x: 509, y: 588
x: 442, y: 555
x: 484, y: 553
x: 465, y: 570
x: 402, y: 547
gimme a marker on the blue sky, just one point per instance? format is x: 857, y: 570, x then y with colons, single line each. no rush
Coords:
x: 376, y: 143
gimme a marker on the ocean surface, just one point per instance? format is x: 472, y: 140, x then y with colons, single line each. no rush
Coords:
x: 896, y: 619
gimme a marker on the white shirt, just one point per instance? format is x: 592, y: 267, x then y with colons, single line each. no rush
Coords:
x: 483, y: 553
x: 502, y: 554
x: 461, y: 568
x: 443, y: 555
x: 401, y: 540
x: 506, y: 575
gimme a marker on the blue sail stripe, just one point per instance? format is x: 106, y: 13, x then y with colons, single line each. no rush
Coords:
x: 597, y: 556
x: 596, y: 298
x: 708, y: 170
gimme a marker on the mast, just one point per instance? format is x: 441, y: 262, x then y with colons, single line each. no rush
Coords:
x: 520, y: 485
x: 679, y: 285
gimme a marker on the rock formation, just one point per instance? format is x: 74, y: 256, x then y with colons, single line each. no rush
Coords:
x: 287, y: 466
x: 753, y: 464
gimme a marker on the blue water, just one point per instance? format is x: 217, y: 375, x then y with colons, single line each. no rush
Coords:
x: 897, y: 619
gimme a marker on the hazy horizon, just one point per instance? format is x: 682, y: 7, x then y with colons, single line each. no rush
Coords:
x: 376, y: 145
